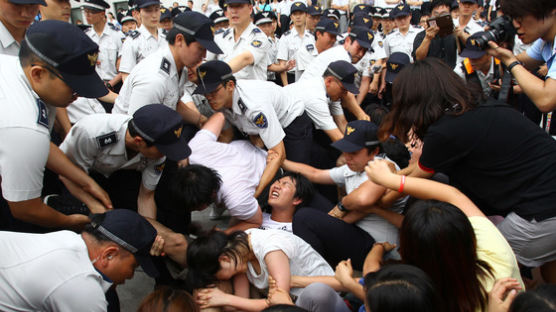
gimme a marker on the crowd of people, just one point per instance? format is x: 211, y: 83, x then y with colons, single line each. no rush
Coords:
x: 382, y: 155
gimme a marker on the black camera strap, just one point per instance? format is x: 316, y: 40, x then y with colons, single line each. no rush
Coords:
x: 506, y: 85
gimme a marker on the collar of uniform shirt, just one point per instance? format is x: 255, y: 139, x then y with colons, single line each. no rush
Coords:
x: 5, y: 37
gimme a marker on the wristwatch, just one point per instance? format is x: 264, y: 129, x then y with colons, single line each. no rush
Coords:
x: 342, y: 207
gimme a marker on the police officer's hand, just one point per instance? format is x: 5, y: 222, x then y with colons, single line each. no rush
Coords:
x: 373, y: 88
x: 97, y: 192
x: 290, y: 65
x: 432, y: 31
x: 158, y: 247
x: 504, y: 55
x: 77, y: 222
x: 336, y: 213
x: 381, y: 90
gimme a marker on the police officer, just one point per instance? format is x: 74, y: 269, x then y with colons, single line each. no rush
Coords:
x: 244, y: 45
x: 221, y: 21
x: 128, y: 23
x: 165, y: 20
x: 109, y: 42
x: 267, y: 22
x: 401, y: 40
x: 15, y: 17
x: 144, y: 41
x: 293, y: 40
x: 59, y: 10
x: 314, y: 13
x: 358, y: 41
x: 110, y: 142
x: 160, y: 78
x: 260, y: 109
x: 56, y: 56
x: 325, y: 35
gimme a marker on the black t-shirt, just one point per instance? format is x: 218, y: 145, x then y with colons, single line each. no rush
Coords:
x: 443, y: 48
x: 498, y: 158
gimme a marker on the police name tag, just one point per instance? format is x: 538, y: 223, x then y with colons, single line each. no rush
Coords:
x: 310, y: 47
x: 42, y: 118
x: 107, y: 139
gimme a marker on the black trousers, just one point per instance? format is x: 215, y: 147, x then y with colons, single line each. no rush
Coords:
x: 334, y: 239
x: 299, y: 138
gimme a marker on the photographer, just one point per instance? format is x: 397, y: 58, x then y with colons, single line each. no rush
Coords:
x: 429, y: 44
x: 535, y: 22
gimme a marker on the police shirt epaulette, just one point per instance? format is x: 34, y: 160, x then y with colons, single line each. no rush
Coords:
x: 107, y: 139
x: 257, y: 30
x: 134, y: 34
x: 165, y: 65
x: 226, y: 32
x: 165, y: 32
x: 287, y: 33
x: 221, y: 30
x: 112, y: 26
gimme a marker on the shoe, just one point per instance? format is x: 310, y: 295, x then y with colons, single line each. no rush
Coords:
x: 66, y: 205
x: 216, y: 212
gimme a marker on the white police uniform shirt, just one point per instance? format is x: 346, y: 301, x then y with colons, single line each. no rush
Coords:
x: 291, y: 42
x: 153, y: 81
x: 253, y: 40
x: 8, y: 45
x: 98, y: 142
x: 254, y: 111
x: 109, y: 44
x: 319, y: 65
x: 138, y: 45
x: 239, y: 163
x: 397, y: 42
x: 272, y: 56
x: 305, y: 55
x: 83, y: 107
x: 311, y: 94
x: 25, y: 124
x: 49, y: 272
x: 483, y: 79
x: 471, y: 28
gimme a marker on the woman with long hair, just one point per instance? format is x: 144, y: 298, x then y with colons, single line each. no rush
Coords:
x: 493, y: 154
x: 450, y: 239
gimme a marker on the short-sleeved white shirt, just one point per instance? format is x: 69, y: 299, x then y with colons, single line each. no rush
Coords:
x: 259, y: 108
x: 380, y: 229
x: 304, y: 260
x: 25, y: 124
x: 83, y: 107
x: 340, y: 3
x: 98, y: 142
x: 8, y: 45
x: 153, y: 81
x: 240, y: 165
x: 109, y: 45
x: 311, y: 93
x: 291, y: 42
x: 49, y: 272
x: 253, y: 40
x: 397, y: 42
x: 305, y: 55
x: 320, y: 63
x: 137, y: 46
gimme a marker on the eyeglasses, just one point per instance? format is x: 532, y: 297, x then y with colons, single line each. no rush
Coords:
x: 213, y: 93
x: 55, y: 73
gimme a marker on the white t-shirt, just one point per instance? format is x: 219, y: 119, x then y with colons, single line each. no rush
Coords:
x: 240, y: 165
x: 49, y: 272
x: 304, y: 260
x: 269, y: 224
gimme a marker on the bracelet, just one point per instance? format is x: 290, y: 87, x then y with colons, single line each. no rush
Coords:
x: 342, y: 207
x: 402, y: 184
x: 513, y: 64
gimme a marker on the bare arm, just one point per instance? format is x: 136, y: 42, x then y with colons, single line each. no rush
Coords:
x: 341, y: 122
x: 253, y: 222
x: 271, y: 167
x: 109, y: 98
x: 92, y: 203
x: 175, y: 244
x: 63, y: 119
x: 189, y: 113
x: 349, y: 102
x: 146, y: 205
x: 36, y: 212
x: 334, y: 134
x: 314, y: 175
x: 363, y: 89
x: 241, y: 60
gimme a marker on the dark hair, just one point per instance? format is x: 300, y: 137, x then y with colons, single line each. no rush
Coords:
x: 27, y: 57
x: 541, y: 299
x: 397, y: 151
x: 423, y: 92
x: 400, y: 288
x: 304, y: 189
x: 438, y: 238
x: 168, y: 299
x: 171, y: 36
x: 377, y: 112
x: 284, y: 308
x: 438, y: 3
x: 194, y: 186
x: 203, y: 254
x: 540, y: 9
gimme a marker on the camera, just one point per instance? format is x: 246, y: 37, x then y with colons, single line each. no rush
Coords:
x: 500, y: 30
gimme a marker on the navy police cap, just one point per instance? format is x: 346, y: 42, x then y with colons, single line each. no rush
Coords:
x: 396, y: 62
x: 298, y: 7
x: 345, y: 73
x: 314, y: 10
x: 99, y: 5
x: 71, y: 52
x: 199, y: 26
x: 401, y: 10
x: 41, y: 2
x: 363, y: 35
x: 211, y: 74
x: 218, y: 17
x: 359, y: 134
x: 145, y: 3
x: 329, y: 26
x: 362, y: 19
x: 264, y: 17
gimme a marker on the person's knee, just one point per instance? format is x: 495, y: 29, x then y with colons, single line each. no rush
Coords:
x: 317, y: 297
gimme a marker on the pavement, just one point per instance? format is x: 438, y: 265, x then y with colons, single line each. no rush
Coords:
x: 134, y: 290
